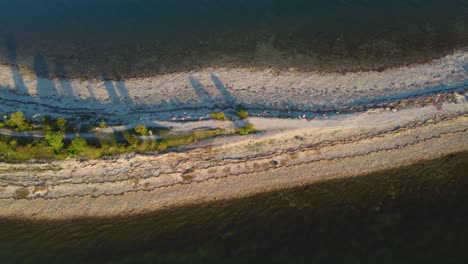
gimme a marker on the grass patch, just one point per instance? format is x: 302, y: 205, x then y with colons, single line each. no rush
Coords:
x: 180, y: 140
x: 220, y: 116
x: 242, y: 113
x: 56, y: 147
x: 17, y: 150
x: 38, y: 150
x: 247, y: 129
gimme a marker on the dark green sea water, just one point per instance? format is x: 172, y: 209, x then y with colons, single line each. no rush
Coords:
x: 120, y: 38
x: 417, y: 214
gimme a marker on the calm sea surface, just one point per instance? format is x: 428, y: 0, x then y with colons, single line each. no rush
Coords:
x: 115, y: 38
x: 417, y: 214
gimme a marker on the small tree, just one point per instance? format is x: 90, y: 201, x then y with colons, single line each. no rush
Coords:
x: 61, y: 124
x: 19, y: 122
x: 55, y: 140
x: 141, y: 130
x: 77, y: 146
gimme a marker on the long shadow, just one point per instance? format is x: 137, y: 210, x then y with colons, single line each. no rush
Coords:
x: 45, y: 87
x: 200, y: 90
x: 123, y: 91
x: 91, y: 92
x: 225, y: 94
x: 110, y: 89
x: 226, y: 100
x: 117, y: 90
x: 121, y: 88
x: 18, y: 80
x: 64, y: 83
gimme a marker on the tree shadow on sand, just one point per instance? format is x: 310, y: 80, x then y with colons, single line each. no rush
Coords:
x: 116, y: 90
x: 12, y: 60
x: 226, y: 99
x: 45, y: 87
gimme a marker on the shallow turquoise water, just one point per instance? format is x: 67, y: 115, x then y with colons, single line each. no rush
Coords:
x: 416, y: 214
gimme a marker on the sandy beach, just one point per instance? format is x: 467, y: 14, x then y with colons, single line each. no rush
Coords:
x: 312, y: 127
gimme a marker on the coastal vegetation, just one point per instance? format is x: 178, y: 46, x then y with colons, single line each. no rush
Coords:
x: 247, y: 129
x: 242, y: 113
x: 220, y: 116
x: 18, y: 122
x: 58, y: 139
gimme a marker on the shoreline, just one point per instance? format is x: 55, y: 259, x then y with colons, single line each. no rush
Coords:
x: 303, y: 167
x: 192, y: 95
x: 410, y: 114
x: 26, y: 69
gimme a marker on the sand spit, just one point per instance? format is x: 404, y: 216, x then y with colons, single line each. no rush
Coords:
x: 357, y: 144
x: 314, y: 127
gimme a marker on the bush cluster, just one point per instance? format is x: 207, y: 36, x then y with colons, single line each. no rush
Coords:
x: 18, y: 122
x: 56, y: 146
x: 218, y: 116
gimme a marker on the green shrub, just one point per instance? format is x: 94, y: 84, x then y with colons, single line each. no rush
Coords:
x: 218, y: 116
x: 38, y: 150
x: 131, y: 139
x: 13, y: 143
x: 61, y: 124
x: 103, y: 124
x: 242, y: 113
x: 141, y: 130
x: 55, y: 140
x: 161, y: 146
x: 93, y: 153
x: 47, y: 123
x: 77, y: 146
x: 247, y: 129
x: 18, y: 122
